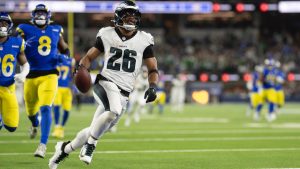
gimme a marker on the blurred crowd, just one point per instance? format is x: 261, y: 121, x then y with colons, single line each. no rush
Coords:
x: 231, y: 51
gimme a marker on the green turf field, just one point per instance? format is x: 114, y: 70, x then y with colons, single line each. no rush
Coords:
x: 216, y: 136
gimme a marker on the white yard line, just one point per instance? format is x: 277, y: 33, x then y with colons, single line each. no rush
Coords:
x: 174, y: 151
x: 195, y: 120
x: 170, y: 132
x: 178, y: 139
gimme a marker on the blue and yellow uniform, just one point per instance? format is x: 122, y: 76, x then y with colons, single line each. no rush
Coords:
x: 269, y: 78
x: 280, y: 77
x: 9, y: 52
x: 269, y: 93
x: 64, y: 94
x: 41, y: 49
x: 256, y: 90
x: 41, y: 83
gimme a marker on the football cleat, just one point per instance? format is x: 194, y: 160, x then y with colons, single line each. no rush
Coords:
x: 256, y: 116
x: 271, y: 117
x: 33, y: 132
x: 61, y: 133
x: 58, y: 132
x: 86, y: 153
x: 59, y: 155
x: 40, y: 151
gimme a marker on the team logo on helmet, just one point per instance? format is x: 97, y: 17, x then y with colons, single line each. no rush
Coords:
x: 5, y: 29
x: 127, y: 16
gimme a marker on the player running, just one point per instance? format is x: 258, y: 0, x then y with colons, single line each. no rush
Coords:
x: 11, y: 51
x: 125, y: 48
x: 269, y: 93
x: 42, y: 42
x: 64, y: 95
x: 255, y: 89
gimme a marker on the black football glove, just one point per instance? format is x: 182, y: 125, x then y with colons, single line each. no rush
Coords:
x: 150, y: 94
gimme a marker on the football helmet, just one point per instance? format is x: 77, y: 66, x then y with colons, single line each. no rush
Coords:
x: 127, y: 16
x: 5, y: 29
x: 270, y: 62
x: 40, y: 16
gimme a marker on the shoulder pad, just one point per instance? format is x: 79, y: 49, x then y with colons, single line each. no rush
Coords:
x: 148, y: 37
x: 104, y: 30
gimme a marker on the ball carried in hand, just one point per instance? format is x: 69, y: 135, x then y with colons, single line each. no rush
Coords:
x: 83, y: 79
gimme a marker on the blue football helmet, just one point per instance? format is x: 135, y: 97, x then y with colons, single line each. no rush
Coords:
x: 40, y: 16
x: 5, y: 30
x: 270, y: 62
x: 125, y: 10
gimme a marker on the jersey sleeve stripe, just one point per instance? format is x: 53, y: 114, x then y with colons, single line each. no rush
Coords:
x: 20, y: 31
x: 22, y: 46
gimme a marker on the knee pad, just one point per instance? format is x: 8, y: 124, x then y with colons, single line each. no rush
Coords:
x: 10, y: 129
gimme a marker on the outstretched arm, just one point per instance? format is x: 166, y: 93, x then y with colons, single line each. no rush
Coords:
x: 151, y: 63
x: 91, y: 55
x: 63, y: 46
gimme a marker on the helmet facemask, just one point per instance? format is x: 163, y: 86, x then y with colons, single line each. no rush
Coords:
x: 40, y: 16
x: 5, y: 25
x: 127, y: 16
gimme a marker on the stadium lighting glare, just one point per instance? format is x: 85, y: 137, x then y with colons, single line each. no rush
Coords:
x: 240, y: 7
x: 216, y: 7
x: 225, y: 77
x: 289, y: 6
x: 60, y: 6
x: 291, y: 77
x: 153, y: 7
x: 264, y: 7
x: 204, y: 77
x: 247, y: 77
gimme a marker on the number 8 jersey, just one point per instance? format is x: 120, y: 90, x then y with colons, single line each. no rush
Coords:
x: 123, y: 57
x: 41, y: 45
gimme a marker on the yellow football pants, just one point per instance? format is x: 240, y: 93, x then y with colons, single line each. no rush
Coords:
x: 38, y: 92
x: 64, y: 98
x: 9, y: 107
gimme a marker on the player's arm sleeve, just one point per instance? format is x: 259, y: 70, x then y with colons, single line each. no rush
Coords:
x: 148, y: 52
x: 20, y: 31
x: 22, y: 48
x: 99, y: 44
x: 61, y: 31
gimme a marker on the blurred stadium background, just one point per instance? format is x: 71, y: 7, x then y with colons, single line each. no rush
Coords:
x: 216, y: 44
